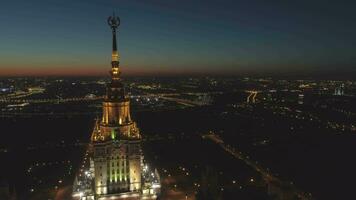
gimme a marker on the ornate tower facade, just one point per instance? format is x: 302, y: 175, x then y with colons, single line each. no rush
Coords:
x: 116, y: 140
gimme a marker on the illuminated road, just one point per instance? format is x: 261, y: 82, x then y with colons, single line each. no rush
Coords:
x: 82, y: 99
x: 166, y: 96
x: 32, y: 114
x: 181, y: 101
x: 275, y: 185
x: 251, y: 98
x: 186, y: 102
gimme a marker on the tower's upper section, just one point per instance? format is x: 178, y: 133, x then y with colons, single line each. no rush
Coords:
x: 116, y: 122
x: 114, y: 23
x: 115, y: 90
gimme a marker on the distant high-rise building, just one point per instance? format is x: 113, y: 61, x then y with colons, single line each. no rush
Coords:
x: 117, y: 168
x: 300, y: 98
x: 339, y: 91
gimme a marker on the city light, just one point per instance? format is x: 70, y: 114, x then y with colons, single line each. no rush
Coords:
x: 211, y: 100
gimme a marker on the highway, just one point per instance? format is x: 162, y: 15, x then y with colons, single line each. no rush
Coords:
x: 59, y: 100
x: 251, y: 98
x: 284, y: 190
x: 182, y: 101
x: 166, y: 96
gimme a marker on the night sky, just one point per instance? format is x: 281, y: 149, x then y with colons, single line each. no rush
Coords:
x: 71, y: 37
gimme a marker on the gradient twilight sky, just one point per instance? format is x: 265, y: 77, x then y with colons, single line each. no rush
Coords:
x: 71, y: 37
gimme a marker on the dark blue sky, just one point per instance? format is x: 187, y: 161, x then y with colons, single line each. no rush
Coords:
x: 178, y: 36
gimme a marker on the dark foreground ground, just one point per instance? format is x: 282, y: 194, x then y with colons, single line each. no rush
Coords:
x: 40, y: 154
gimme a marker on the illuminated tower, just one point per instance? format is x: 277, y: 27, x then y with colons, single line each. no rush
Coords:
x: 116, y: 140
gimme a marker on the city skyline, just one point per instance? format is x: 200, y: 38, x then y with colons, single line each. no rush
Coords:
x: 177, y: 100
x: 167, y: 38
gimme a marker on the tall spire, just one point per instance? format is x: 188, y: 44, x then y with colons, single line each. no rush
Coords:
x: 114, y: 23
x: 115, y: 90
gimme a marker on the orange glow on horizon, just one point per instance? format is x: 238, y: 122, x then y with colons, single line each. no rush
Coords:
x: 39, y: 71
x: 92, y: 71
